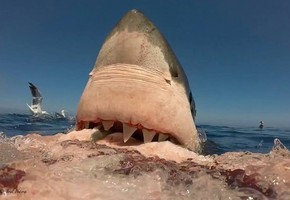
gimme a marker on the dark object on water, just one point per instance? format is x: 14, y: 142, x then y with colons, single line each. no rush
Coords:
x: 60, y: 115
x: 261, y: 125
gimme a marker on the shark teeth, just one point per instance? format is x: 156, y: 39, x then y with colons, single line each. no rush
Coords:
x: 148, y: 135
x: 86, y: 125
x: 107, y: 125
x: 128, y: 132
x: 162, y: 137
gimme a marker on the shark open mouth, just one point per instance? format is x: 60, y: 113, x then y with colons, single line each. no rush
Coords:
x: 137, y: 131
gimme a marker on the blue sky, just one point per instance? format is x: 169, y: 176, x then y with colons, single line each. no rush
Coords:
x: 236, y: 53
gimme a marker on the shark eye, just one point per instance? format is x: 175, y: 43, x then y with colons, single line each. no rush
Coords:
x: 190, y: 97
x: 192, y: 105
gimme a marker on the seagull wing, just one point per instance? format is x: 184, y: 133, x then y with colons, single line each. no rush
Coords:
x: 37, y: 98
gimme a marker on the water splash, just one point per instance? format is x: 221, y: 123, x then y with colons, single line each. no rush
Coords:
x: 202, y: 135
x: 3, y: 137
x: 260, y: 144
x: 278, y: 145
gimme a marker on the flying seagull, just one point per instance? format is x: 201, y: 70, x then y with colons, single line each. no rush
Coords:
x: 35, y: 107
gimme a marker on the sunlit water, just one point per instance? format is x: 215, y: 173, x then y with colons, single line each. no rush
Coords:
x: 220, y: 139
x: 223, y: 139
x: 20, y: 124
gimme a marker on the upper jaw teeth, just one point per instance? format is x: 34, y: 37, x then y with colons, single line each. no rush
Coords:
x: 162, y: 137
x: 86, y: 125
x: 128, y: 131
x: 107, y: 125
x: 148, y: 135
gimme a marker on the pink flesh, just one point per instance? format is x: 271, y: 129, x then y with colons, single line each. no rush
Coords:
x: 63, y: 167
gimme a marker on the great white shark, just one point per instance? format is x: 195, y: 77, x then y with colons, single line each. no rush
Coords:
x: 138, y: 87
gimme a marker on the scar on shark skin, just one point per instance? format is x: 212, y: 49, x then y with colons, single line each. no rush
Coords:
x: 139, y: 88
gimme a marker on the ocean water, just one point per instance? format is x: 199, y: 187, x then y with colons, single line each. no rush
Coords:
x: 21, y: 124
x: 69, y: 169
x: 220, y: 139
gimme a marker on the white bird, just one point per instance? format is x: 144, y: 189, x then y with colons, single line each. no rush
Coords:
x: 35, y: 107
x: 60, y: 115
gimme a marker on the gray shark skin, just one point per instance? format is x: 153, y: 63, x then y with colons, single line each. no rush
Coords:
x: 138, y: 87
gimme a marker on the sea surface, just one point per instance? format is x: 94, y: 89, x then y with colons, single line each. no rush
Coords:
x: 219, y: 139
x: 21, y: 124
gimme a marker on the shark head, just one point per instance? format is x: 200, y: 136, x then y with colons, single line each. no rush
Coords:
x: 138, y: 87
